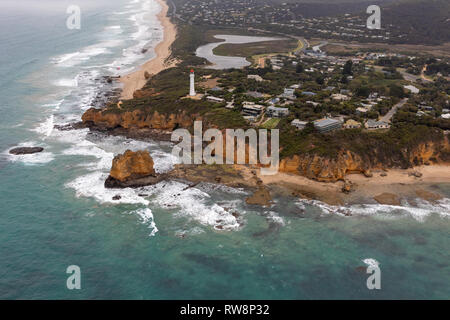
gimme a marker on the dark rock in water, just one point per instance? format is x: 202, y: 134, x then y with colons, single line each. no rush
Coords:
x: 116, y: 197
x: 144, y: 50
x: 112, y: 183
x: 26, y: 150
x: 71, y: 126
x: 361, y: 269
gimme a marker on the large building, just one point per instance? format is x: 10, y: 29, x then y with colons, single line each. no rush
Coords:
x: 252, y: 109
x: 327, y: 125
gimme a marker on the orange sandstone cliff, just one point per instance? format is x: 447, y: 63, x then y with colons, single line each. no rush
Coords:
x: 104, y: 120
x: 346, y: 162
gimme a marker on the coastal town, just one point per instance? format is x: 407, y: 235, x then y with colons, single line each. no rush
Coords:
x: 344, y: 22
x: 225, y: 150
x: 325, y: 90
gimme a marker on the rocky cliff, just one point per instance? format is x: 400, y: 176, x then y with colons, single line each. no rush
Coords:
x: 346, y: 162
x: 132, y: 169
x: 107, y: 120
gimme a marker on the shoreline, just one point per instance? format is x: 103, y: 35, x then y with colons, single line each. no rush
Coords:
x: 401, y: 183
x: 136, y: 80
x: 398, y: 185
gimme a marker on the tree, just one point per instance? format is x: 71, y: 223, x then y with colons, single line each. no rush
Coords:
x: 348, y: 68
x: 320, y: 80
x: 396, y: 91
x: 362, y: 91
x: 300, y: 68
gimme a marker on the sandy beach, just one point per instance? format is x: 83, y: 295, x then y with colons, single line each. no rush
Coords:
x: 401, y: 183
x: 136, y: 80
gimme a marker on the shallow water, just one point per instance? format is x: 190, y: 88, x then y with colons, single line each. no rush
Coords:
x: 165, y: 245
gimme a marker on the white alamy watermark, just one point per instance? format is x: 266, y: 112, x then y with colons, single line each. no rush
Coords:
x: 373, y: 268
x: 74, y: 280
x: 237, y: 149
x: 73, y: 22
x: 374, y: 21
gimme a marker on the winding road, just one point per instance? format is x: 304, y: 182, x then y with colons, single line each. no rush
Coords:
x: 388, y: 116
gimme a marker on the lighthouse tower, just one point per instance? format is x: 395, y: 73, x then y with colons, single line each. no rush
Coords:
x: 192, y: 87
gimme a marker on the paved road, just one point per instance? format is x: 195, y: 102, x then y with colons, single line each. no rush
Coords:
x: 390, y: 114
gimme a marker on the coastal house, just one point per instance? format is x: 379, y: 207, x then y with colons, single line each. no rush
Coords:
x: 375, y: 125
x: 254, y: 94
x: 255, y: 77
x: 327, y: 125
x: 315, y: 104
x: 352, y: 124
x: 420, y: 113
x: 252, y: 109
x: 289, y: 93
x: 361, y: 110
x: 445, y: 116
x: 215, y: 99
x: 308, y: 93
x: 277, y: 112
x: 412, y: 89
x: 273, y: 101
x: 299, y: 124
x: 340, y: 97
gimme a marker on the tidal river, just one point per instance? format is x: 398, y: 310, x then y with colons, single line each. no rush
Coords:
x: 225, y: 62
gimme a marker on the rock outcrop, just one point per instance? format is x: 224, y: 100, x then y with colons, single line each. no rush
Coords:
x: 261, y: 197
x: 132, y: 170
x: 25, y: 150
x: 388, y: 199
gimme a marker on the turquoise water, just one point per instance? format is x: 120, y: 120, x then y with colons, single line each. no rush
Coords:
x: 55, y: 211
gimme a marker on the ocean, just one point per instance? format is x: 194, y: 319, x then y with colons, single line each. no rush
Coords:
x: 56, y: 213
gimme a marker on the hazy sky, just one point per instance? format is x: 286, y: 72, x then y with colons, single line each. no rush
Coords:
x: 48, y: 6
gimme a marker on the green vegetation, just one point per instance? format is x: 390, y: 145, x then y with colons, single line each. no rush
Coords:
x: 271, y: 123
x: 391, y: 147
x: 252, y: 49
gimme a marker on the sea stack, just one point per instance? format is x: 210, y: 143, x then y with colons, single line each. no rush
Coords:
x: 132, y: 170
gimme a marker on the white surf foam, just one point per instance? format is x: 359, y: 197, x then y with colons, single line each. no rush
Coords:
x: 192, y: 203
x: 93, y: 186
x: 46, y: 127
x: 420, y: 212
x: 371, y: 262
x: 66, y: 82
x: 275, y: 218
x: 146, y: 217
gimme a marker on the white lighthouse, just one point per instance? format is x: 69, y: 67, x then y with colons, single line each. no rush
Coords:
x: 192, y: 87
